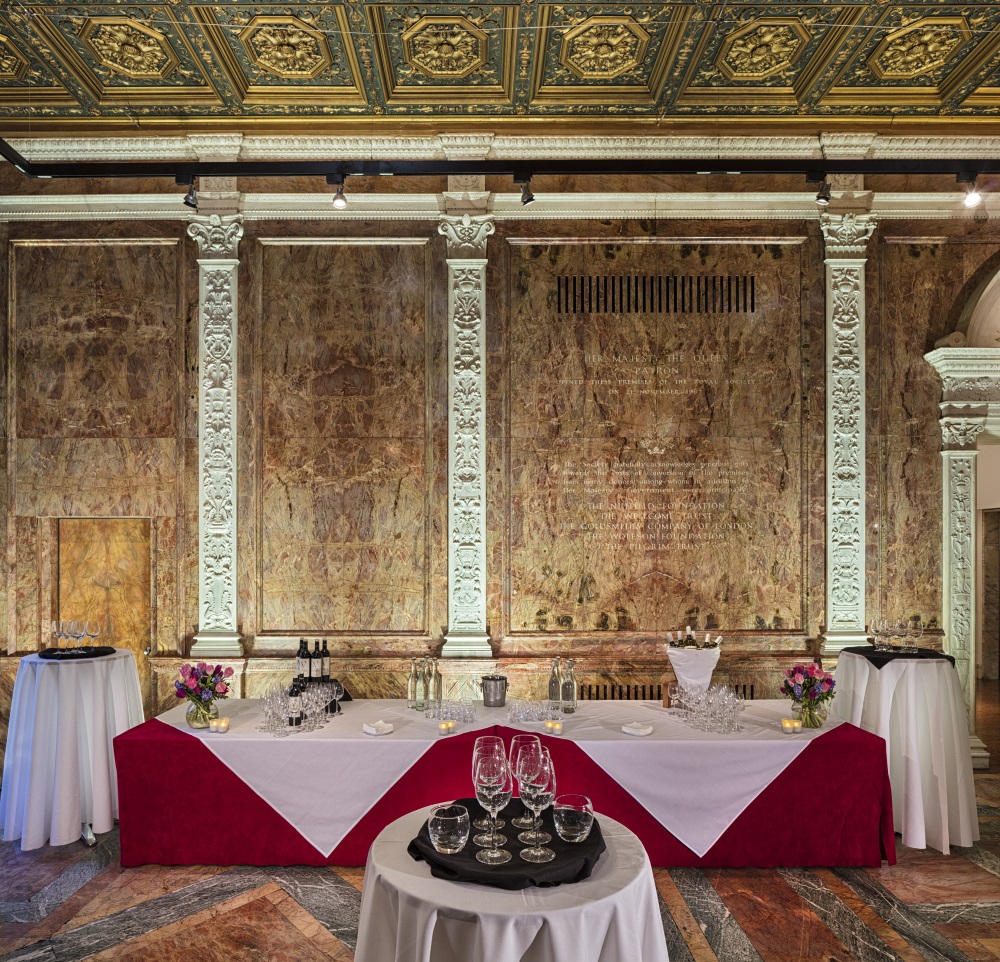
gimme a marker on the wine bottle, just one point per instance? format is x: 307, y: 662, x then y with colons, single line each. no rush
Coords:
x: 325, y: 676
x: 555, y: 686
x: 302, y: 659
x: 569, y: 688
x: 294, y: 707
x: 411, y: 685
x: 316, y: 664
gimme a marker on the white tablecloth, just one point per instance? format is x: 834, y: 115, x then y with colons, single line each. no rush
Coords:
x: 59, y: 766
x: 916, y: 705
x: 407, y: 915
x: 707, y: 779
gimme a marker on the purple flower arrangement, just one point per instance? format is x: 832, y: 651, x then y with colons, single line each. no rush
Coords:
x: 201, y: 684
x: 808, y: 683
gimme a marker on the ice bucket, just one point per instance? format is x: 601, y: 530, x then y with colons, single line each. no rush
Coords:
x: 494, y: 690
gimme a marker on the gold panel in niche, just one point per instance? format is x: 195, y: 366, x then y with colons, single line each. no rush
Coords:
x: 129, y: 48
x: 919, y: 48
x: 286, y: 47
x: 12, y: 64
x: 449, y: 47
x: 602, y: 48
x: 762, y: 48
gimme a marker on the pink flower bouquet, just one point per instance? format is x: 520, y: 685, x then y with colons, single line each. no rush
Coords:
x: 201, y: 685
x: 810, y: 688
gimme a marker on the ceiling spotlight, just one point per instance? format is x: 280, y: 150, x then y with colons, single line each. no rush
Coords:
x: 191, y: 197
x: 339, y: 200
x: 968, y: 182
x: 823, y: 195
x: 527, y: 197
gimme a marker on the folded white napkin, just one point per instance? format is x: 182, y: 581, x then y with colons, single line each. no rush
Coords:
x: 637, y: 728
x: 376, y: 728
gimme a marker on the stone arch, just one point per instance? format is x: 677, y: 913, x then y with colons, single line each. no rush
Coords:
x: 979, y: 314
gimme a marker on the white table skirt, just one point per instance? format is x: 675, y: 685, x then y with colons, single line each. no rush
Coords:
x: 407, y: 915
x: 712, y: 777
x: 916, y: 705
x: 59, y: 767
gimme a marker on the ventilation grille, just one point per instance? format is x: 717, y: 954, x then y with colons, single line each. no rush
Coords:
x: 655, y: 294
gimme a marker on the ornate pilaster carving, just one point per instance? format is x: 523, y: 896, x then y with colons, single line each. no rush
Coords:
x: 466, y: 237
x: 846, y: 236
x: 218, y: 239
x: 970, y: 406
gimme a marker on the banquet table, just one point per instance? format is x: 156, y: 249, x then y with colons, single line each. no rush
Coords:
x: 693, y: 798
x: 916, y: 705
x: 407, y: 914
x: 59, y: 778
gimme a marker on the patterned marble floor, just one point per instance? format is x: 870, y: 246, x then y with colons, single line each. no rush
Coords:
x: 68, y: 903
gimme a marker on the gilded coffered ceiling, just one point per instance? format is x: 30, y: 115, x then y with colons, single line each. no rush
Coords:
x: 87, y: 64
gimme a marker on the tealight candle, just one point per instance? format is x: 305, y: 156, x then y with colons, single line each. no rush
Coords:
x: 223, y: 725
x: 788, y: 725
x: 451, y: 725
x: 213, y: 724
x: 444, y: 727
x: 554, y: 727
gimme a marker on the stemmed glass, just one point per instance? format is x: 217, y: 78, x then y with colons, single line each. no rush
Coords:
x: 494, y: 786
x: 337, y: 690
x: 520, y: 744
x: 92, y: 635
x: 487, y: 745
x: 538, y: 789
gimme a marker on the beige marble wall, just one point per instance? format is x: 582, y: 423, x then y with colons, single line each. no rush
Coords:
x: 657, y: 459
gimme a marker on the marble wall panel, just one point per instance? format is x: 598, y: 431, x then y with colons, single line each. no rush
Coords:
x: 76, y: 477
x: 922, y: 282
x: 105, y: 577
x: 991, y: 594
x: 656, y: 460
x: 95, y: 339
x: 347, y: 470
x: 26, y: 621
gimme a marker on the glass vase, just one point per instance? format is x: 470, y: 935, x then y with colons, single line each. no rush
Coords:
x: 810, y: 714
x: 198, y: 716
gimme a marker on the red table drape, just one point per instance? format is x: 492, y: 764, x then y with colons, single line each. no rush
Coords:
x: 179, y: 805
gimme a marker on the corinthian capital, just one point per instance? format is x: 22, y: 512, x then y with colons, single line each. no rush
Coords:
x: 846, y: 235
x: 466, y: 235
x: 217, y: 236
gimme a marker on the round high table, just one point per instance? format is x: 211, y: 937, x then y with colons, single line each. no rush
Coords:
x: 407, y: 915
x: 59, y: 779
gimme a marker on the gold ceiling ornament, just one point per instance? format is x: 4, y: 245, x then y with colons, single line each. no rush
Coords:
x: 762, y: 48
x: 12, y: 65
x: 604, y: 47
x: 446, y: 47
x: 129, y: 48
x: 286, y: 47
x: 919, y: 48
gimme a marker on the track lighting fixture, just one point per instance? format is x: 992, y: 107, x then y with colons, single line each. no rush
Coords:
x: 823, y: 195
x: 191, y: 197
x: 527, y: 197
x: 968, y: 182
x: 339, y: 200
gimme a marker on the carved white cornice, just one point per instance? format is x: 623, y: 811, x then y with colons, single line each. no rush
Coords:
x: 492, y: 145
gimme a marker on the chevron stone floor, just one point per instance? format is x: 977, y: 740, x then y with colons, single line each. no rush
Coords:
x: 68, y: 903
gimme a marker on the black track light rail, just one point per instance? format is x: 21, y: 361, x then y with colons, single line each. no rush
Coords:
x: 814, y: 170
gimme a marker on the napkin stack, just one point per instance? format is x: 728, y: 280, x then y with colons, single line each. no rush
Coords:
x: 637, y: 728
x: 376, y: 728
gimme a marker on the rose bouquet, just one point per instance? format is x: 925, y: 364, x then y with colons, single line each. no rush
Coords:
x: 201, y: 685
x: 810, y: 688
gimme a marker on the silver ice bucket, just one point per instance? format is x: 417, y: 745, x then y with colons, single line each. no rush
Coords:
x: 494, y: 691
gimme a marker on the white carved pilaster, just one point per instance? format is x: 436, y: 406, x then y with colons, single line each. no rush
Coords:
x: 846, y: 237
x: 466, y: 237
x: 218, y: 239
x: 970, y: 406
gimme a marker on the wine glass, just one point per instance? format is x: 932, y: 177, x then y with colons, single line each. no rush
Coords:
x: 494, y: 786
x: 487, y: 745
x: 92, y: 634
x: 337, y: 690
x: 519, y: 744
x: 537, y: 792
x: 76, y: 629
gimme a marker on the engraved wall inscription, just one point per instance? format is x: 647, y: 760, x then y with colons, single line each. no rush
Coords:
x: 656, y: 460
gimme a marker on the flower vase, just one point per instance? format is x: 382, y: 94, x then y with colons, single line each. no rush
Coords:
x: 811, y: 715
x: 199, y: 715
